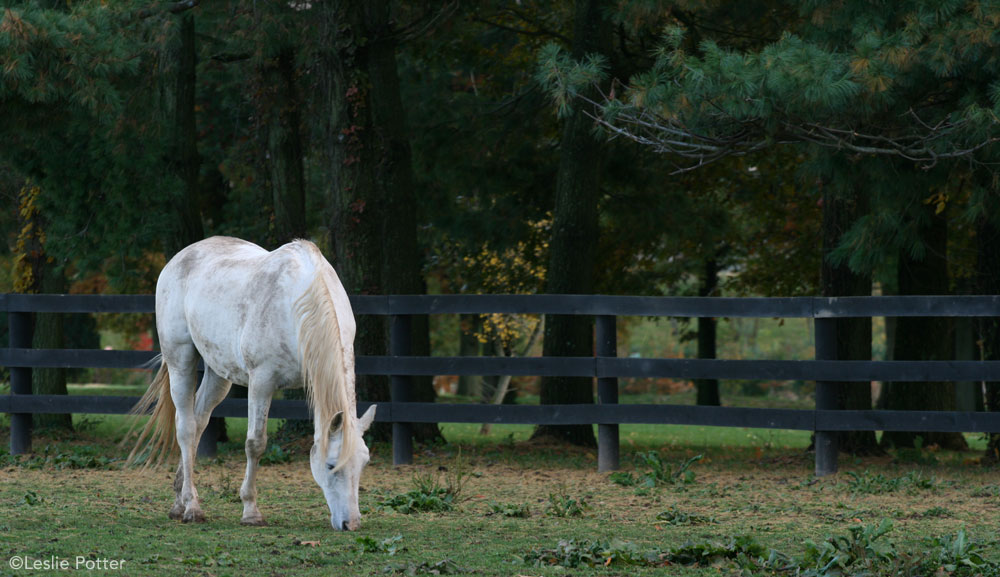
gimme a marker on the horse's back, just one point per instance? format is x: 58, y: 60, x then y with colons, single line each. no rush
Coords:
x: 234, y: 301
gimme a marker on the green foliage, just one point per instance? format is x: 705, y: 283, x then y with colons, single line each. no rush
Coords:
x: 428, y: 495
x: 560, y: 504
x: 218, y: 558
x: 741, y: 547
x: 868, y: 483
x: 31, y: 499
x: 987, y: 491
x: 519, y: 510
x: 419, y: 501
x: 443, y: 567
x: 565, y: 78
x: 570, y: 553
x: 389, y: 545
x: 863, y: 552
x: 274, y: 455
x: 674, y: 516
x: 657, y: 472
x: 960, y: 556
x: 937, y: 512
x: 863, y: 547
x: 68, y: 57
x: 63, y: 457
x: 822, y: 70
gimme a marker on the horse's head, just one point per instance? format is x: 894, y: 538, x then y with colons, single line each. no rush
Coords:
x: 340, y: 483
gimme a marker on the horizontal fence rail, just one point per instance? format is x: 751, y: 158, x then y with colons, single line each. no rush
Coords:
x: 600, y: 367
x: 605, y: 366
x: 591, y: 305
x: 622, y: 414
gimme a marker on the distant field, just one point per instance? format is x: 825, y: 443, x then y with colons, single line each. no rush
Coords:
x: 632, y: 436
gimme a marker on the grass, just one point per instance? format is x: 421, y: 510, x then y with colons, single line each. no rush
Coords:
x: 511, y: 506
x: 500, y: 505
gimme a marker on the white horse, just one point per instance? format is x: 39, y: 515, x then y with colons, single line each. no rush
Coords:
x: 266, y: 321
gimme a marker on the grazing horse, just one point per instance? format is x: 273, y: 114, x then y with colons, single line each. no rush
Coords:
x: 266, y: 321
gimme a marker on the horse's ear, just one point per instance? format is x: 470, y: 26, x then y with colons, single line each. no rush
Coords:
x: 366, y: 419
x: 337, y: 422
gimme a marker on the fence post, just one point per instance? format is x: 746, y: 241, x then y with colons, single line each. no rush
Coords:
x: 400, y: 345
x: 20, y: 328
x: 208, y: 446
x: 607, y: 394
x: 825, y: 330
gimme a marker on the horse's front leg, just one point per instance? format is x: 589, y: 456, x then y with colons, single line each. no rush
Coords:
x: 258, y: 404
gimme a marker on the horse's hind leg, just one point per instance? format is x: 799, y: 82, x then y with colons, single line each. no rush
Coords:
x: 183, y: 376
x: 212, y: 391
x: 259, y: 403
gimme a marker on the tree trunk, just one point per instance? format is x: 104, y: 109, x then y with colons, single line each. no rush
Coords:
x: 356, y: 204
x: 921, y: 338
x: 854, y: 335
x: 48, y: 334
x: 371, y: 193
x: 286, y: 178
x: 286, y: 174
x: 573, y: 250
x: 708, y: 389
x: 468, y: 346
x: 402, y: 267
x: 988, y: 281
x: 35, y: 273
x: 188, y: 227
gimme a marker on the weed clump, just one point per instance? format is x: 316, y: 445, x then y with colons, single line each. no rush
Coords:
x: 656, y: 472
x: 429, y: 495
x: 389, y: 545
x: 570, y: 553
x: 674, y: 516
x: 562, y: 505
x: 70, y: 457
x: 868, y: 483
x: 519, y: 510
x: 863, y: 552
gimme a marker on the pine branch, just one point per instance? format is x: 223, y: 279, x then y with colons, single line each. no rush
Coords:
x: 227, y: 58
x: 733, y: 136
x: 173, y: 8
x: 522, y: 31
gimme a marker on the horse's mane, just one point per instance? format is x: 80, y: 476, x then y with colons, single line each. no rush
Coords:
x: 324, y: 363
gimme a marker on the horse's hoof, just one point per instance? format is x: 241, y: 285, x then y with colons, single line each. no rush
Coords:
x: 254, y: 522
x: 193, y: 517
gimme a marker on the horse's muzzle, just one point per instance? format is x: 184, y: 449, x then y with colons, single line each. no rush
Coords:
x: 347, y: 525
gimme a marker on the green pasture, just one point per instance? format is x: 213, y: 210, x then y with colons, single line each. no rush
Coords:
x: 499, y: 505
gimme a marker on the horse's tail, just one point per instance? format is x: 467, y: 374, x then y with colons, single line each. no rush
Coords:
x: 158, y: 439
x: 325, y: 364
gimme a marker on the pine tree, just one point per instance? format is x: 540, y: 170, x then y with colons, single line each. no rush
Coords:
x: 912, y: 88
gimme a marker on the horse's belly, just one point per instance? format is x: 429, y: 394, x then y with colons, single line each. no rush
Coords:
x: 220, y: 353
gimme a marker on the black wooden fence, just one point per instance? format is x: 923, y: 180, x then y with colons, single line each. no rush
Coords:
x: 605, y: 366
